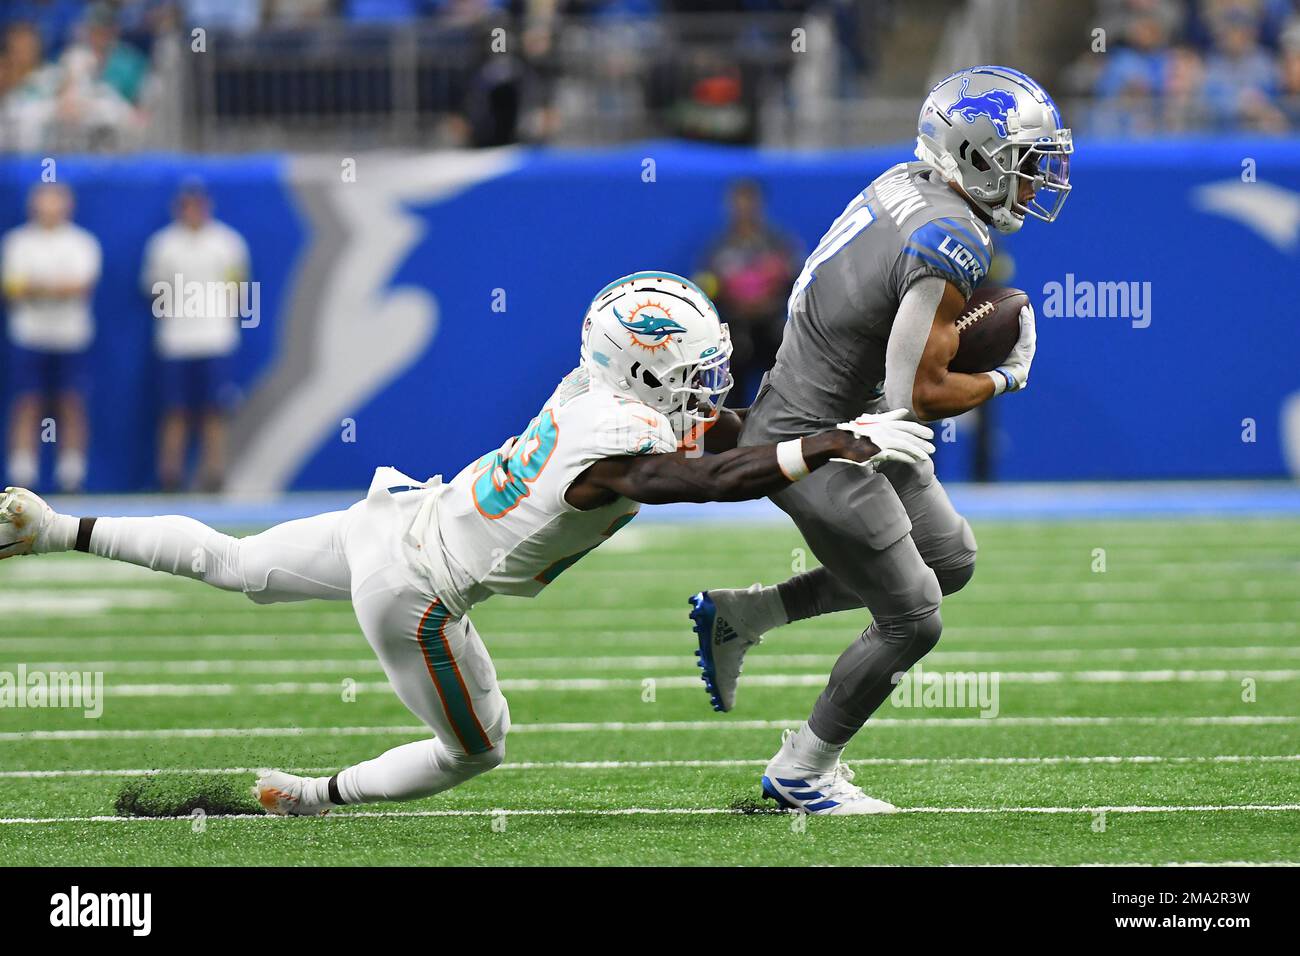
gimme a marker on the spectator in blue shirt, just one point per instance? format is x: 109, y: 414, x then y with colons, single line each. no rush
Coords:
x: 1241, y: 78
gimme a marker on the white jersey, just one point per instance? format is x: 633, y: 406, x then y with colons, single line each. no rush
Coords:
x: 503, y: 526
x: 63, y: 255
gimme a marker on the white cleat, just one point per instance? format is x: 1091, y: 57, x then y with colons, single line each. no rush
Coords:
x: 830, y: 794
x: 23, y: 516
x: 724, y: 640
x: 282, y: 794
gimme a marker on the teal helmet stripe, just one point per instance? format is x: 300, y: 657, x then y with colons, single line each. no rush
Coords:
x: 652, y: 274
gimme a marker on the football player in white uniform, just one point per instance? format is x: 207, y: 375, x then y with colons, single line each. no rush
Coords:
x: 654, y: 372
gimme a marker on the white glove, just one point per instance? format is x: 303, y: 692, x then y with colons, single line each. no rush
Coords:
x: 897, y: 439
x: 1013, y: 374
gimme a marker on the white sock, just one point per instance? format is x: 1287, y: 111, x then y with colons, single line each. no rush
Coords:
x: 59, y: 535
x: 806, y: 752
x: 24, y: 468
x: 408, y: 772
x: 70, y: 470
x: 174, y: 544
x: 755, y: 609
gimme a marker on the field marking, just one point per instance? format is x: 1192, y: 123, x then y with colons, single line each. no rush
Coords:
x: 1021, y: 588
x: 1135, y: 565
x: 593, y: 614
x: 307, y: 665
x: 667, y: 811
x: 653, y: 726
x: 1106, y: 760
x: 837, y: 629
x: 599, y: 684
x: 83, y: 603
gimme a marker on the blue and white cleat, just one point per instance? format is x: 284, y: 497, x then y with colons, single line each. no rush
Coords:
x: 723, y: 644
x: 23, y: 516
x: 830, y: 794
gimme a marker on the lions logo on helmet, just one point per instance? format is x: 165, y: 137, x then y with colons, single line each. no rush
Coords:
x: 656, y: 337
x: 996, y: 133
x: 995, y: 104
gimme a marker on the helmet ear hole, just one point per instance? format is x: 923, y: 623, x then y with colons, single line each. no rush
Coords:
x: 648, y: 377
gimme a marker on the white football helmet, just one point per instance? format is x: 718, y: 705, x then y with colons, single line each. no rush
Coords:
x: 656, y: 337
x: 986, y: 128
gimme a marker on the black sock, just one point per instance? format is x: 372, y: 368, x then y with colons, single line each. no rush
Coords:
x: 84, y: 528
x: 336, y: 798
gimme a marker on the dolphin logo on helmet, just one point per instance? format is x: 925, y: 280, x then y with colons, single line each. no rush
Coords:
x: 654, y: 328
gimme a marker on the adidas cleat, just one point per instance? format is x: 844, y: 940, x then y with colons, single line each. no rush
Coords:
x: 283, y: 795
x: 721, y: 652
x: 23, y: 516
x: 831, y: 794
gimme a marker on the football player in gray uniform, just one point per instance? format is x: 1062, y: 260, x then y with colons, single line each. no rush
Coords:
x: 872, y: 322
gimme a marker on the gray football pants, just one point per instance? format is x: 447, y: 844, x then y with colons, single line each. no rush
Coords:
x: 890, y: 542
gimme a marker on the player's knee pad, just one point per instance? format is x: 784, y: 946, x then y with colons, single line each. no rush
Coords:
x: 919, y: 633
x: 477, y: 763
x: 925, y: 633
x: 958, y: 566
x: 952, y: 580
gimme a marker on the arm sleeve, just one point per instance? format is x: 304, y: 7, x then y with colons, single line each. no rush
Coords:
x: 907, y: 338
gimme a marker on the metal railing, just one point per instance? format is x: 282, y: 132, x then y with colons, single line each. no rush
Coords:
x: 784, y: 80
x: 418, y: 85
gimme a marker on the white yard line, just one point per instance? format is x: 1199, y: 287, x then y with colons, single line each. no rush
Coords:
x: 670, y: 811
x: 840, y: 629
x: 512, y: 619
x: 1106, y: 760
x: 638, y: 684
x: 407, y: 730
x: 308, y: 665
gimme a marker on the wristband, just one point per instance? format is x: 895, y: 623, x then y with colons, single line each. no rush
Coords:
x: 1002, y: 381
x: 789, y: 456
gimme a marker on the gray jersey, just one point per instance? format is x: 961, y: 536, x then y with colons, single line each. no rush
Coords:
x: 906, y: 225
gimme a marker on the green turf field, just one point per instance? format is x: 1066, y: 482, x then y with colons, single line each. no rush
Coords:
x: 1166, y: 688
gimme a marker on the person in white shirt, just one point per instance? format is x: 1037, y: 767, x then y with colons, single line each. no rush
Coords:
x: 195, y: 273
x: 49, y: 268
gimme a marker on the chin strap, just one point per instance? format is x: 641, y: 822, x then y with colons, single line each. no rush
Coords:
x: 1003, y: 219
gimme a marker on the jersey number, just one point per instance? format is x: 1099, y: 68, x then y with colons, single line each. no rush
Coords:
x: 852, y: 221
x: 504, y: 480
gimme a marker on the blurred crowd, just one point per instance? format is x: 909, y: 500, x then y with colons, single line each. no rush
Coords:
x: 82, y: 76
x: 101, y: 75
x: 1180, y: 65
x: 116, y: 74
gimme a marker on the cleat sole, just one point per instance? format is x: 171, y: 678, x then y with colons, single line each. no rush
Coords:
x: 703, y: 614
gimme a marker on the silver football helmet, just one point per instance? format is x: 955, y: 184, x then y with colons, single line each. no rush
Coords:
x: 990, y: 129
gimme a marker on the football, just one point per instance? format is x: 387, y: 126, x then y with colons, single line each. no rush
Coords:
x: 988, y: 328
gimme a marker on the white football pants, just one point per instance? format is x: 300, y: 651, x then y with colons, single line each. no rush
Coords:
x: 437, y: 665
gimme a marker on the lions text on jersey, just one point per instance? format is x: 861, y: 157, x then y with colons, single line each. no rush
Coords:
x: 906, y: 225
